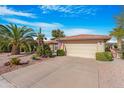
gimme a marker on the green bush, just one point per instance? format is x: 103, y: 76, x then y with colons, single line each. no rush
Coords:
x: 48, y: 53
x: 122, y: 55
x: 39, y: 51
x: 44, y: 51
x: 104, y: 56
x: 35, y: 57
x: 60, y: 52
x: 107, y: 48
x: 46, y: 47
x: 15, y: 61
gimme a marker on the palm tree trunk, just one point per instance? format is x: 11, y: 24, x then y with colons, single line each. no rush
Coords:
x: 15, y: 50
x: 43, y: 47
x: 119, y: 42
x: 39, y: 44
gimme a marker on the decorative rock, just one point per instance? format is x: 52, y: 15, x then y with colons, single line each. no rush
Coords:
x: 7, y: 64
x: 24, y: 62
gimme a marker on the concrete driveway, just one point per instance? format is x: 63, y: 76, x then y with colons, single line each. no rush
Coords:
x: 63, y: 72
x: 67, y: 72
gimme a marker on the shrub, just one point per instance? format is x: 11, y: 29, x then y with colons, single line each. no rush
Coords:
x: 44, y: 51
x: 122, y: 55
x: 107, y: 48
x: 39, y: 51
x: 15, y: 61
x: 104, y: 56
x: 48, y: 53
x: 60, y: 52
x: 46, y: 47
x: 35, y: 57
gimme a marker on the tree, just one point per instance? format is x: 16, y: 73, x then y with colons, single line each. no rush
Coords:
x: 15, y: 36
x: 118, y: 33
x: 120, y: 18
x: 40, y: 37
x: 28, y: 46
x: 57, y: 33
x: 4, y: 46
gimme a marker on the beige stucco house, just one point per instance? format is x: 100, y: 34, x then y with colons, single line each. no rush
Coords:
x: 83, y: 45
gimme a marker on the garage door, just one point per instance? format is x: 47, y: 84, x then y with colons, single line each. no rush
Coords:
x: 81, y: 50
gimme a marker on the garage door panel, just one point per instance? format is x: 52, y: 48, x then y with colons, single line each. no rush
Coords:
x: 81, y: 50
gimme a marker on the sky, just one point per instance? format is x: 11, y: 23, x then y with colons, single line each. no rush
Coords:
x: 72, y: 19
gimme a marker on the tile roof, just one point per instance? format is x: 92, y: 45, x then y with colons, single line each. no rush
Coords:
x: 51, y: 42
x: 86, y: 37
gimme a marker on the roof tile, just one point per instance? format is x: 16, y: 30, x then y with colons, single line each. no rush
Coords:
x: 86, y: 37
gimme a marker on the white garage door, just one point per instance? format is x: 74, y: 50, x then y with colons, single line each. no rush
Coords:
x: 81, y: 50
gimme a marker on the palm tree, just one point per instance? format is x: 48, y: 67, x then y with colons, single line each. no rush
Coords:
x: 118, y: 33
x: 4, y: 46
x: 16, y: 36
x: 40, y: 37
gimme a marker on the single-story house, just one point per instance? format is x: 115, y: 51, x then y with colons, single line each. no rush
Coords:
x: 84, y: 45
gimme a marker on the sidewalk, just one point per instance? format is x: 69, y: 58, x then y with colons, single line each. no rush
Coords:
x: 4, y: 83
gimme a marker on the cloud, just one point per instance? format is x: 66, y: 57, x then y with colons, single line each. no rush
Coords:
x: 70, y: 9
x: 43, y: 25
x: 7, y: 11
x: 47, y: 8
x: 77, y: 31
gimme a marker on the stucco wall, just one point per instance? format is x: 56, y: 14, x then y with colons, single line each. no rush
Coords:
x: 84, y: 48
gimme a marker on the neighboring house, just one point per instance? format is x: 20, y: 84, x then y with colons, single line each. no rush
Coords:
x: 83, y: 45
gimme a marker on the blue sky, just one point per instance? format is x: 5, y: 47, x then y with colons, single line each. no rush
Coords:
x: 73, y: 20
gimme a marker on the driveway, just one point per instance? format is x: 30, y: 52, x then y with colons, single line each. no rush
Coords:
x: 111, y: 74
x: 56, y: 72
x: 67, y: 72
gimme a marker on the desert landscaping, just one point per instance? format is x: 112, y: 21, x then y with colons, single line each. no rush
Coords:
x: 26, y: 60
x: 43, y: 54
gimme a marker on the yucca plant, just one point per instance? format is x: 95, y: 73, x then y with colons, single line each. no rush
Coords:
x: 15, y: 61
